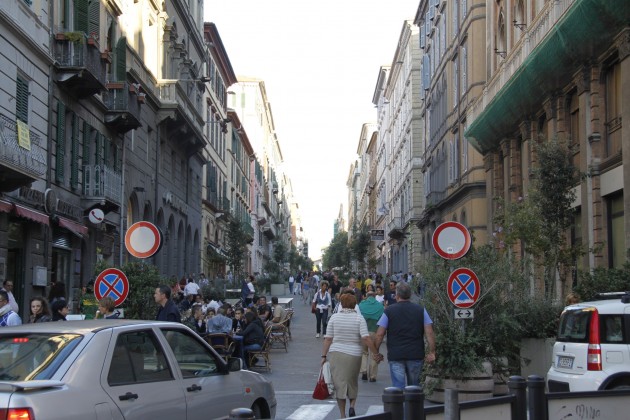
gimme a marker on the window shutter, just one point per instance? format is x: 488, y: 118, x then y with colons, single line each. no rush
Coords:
x: 426, y: 65
x: 61, y: 142
x: 74, y: 153
x: 81, y: 15
x: 94, y: 17
x: 121, y: 59
x: 117, y: 158
x: 107, y: 144
x: 87, y: 137
x: 98, y: 152
x: 423, y: 35
x: 21, y: 102
x: 464, y: 70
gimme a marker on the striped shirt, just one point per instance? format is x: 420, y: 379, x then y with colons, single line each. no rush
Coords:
x: 346, y: 330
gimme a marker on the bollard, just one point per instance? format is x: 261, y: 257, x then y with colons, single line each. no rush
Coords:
x: 242, y: 413
x: 414, y: 403
x: 451, y: 404
x: 518, y: 388
x: 536, y: 402
x: 393, y: 402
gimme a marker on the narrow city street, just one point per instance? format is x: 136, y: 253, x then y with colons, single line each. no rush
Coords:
x: 295, y: 373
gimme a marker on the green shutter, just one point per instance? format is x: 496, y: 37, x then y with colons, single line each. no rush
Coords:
x: 121, y: 60
x: 106, y: 152
x: 98, y: 153
x: 117, y: 156
x: 74, y: 153
x: 21, y: 101
x: 87, y: 139
x: 94, y: 17
x: 81, y: 15
x: 61, y: 142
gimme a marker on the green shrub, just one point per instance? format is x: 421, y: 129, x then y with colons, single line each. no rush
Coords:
x: 603, y: 280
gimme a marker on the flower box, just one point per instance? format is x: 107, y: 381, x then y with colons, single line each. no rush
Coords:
x: 106, y: 56
x: 142, y: 97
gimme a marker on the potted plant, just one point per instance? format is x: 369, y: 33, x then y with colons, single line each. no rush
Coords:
x: 142, y: 97
x: 470, y: 351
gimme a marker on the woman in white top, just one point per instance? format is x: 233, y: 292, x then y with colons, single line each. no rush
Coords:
x: 322, y: 302
x: 347, y: 331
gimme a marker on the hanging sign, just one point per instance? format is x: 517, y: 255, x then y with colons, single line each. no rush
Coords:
x: 96, y: 216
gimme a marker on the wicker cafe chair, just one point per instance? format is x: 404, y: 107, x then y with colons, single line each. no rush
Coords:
x: 262, y: 354
x: 222, y: 343
x: 280, y: 334
x: 290, y: 313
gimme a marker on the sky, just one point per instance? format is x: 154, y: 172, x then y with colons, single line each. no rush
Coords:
x: 320, y: 62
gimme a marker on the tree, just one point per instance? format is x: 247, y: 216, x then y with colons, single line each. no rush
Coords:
x: 338, y: 253
x: 236, y: 247
x: 360, y: 245
x: 275, y: 265
x: 541, y: 220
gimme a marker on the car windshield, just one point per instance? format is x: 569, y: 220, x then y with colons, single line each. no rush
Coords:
x: 574, y: 325
x: 28, y: 357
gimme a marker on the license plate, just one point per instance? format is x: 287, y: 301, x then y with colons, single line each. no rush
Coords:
x: 565, y: 362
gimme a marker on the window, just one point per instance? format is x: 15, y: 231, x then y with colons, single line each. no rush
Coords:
x: 61, y: 143
x: 193, y: 358
x: 613, y: 110
x: 138, y: 358
x: 464, y: 69
x: 21, y: 99
x: 455, y: 82
x: 574, y: 128
x: 616, y: 231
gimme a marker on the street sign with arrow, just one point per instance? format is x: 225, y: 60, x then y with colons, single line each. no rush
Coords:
x: 464, y: 313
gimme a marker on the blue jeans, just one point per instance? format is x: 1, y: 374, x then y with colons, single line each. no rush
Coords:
x: 322, y: 320
x: 409, y: 369
x: 246, y: 349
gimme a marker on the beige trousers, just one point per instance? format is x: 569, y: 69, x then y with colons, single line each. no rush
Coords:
x: 368, y: 364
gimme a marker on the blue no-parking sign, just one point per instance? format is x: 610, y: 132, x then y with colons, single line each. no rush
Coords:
x: 112, y: 282
x: 463, y: 288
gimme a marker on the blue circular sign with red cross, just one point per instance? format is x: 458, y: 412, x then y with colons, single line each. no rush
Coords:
x: 113, y: 283
x: 463, y: 288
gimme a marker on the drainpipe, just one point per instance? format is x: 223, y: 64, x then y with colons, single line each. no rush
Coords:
x: 122, y: 202
x: 47, y: 230
x: 589, y: 185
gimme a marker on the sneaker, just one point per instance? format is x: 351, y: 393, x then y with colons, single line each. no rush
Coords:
x: 364, y: 377
x: 351, y: 412
x: 317, y: 335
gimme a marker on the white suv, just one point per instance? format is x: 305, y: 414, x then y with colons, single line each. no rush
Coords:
x: 592, y: 350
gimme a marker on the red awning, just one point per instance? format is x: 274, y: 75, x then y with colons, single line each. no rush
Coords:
x: 5, y: 206
x: 32, y: 215
x: 79, y: 230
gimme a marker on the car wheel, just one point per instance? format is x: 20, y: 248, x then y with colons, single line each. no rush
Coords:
x: 257, y: 411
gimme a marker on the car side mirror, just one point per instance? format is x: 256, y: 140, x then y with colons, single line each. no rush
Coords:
x: 235, y: 364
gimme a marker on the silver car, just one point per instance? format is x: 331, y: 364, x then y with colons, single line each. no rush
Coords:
x: 122, y: 369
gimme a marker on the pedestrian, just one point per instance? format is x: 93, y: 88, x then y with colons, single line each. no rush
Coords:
x: 39, y: 310
x: 7, y: 286
x: 59, y: 310
x: 167, y: 310
x: 371, y: 310
x: 335, y: 289
x: 390, y: 297
x: 191, y: 288
x: 106, y: 308
x: 8, y: 317
x: 352, y: 285
x: 291, y: 284
x: 342, y: 348
x: 322, y: 304
x: 251, y: 291
x: 298, y: 283
x: 253, y: 336
x: 406, y: 324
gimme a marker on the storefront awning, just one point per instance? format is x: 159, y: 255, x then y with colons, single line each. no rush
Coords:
x: 5, y: 207
x: 74, y: 227
x: 216, y: 252
x: 32, y: 215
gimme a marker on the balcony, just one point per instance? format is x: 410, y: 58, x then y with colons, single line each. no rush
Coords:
x: 274, y: 187
x: 101, y: 186
x: 123, y: 106
x: 395, y: 228
x: 22, y: 160
x: 80, y: 65
x: 181, y: 102
x: 565, y: 35
x: 248, y: 230
x: 269, y: 232
x: 225, y: 205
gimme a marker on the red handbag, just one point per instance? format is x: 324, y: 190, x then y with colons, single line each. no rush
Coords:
x: 321, y: 389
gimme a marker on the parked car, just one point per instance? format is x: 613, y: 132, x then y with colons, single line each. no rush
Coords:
x: 122, y: 369
x: 592, y: 350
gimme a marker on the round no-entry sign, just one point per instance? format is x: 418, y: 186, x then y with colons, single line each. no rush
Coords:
x: 451, y: 240
x: 143, y: 239
x: 463, y: 288
x: 112, y: 282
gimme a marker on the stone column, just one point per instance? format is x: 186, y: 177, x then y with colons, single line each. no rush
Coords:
x: 623, y: 47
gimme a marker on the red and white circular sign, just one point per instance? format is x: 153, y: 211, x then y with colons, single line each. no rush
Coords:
x: 113, y: 283
x: 463, y: 288
x: 451, y: 240
x: 96, y: 216
x: 143, y: 239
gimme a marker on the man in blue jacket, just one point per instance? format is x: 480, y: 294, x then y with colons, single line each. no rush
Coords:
x: 167, y: 310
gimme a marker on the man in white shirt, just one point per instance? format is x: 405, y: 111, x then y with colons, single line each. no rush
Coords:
x: 291, y: 284
x: 191, y: 288
x: 7, y: 286
x: 8, y: 318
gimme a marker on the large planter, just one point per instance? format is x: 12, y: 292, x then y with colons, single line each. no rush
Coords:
x: 277, y: 289
x: 478, y: 386
x: 536, y: 356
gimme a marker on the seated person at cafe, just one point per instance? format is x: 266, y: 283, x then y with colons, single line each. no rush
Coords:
x: 238, y: 322
x: 279, y: 313
x: 264, y: 311
x: 220, y: 323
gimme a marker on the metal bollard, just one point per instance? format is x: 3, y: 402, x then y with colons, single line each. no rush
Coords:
x: 414, y: 403
x: 393, y: 400
x: 536, y: 402
x: 518, y: 388
x: 451, y: 404
x: 242, y: 413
